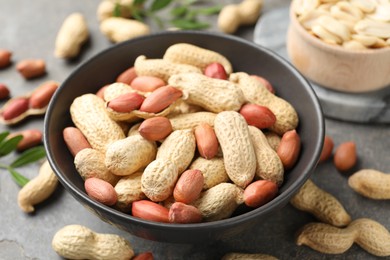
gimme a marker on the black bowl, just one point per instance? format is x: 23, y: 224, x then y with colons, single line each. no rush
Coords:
x: 245, y: 56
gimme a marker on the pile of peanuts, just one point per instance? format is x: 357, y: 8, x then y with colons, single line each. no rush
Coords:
x: 183, y: 139
x: 352, y: 24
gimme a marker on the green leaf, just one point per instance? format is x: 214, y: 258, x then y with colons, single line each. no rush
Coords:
x: 209, y: 10
x: 117, y: 10
x: 29, y: 156
x: 3, y: 135
x: 159, y: 4
x: 189, y: 24
x: 137, y: 14
x: 179, y: 11
x: 9, y: 145
x: 18, y: 178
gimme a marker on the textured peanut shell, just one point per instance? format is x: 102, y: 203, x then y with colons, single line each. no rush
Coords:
x: 191, y: 120
x: 368, y: 234
x: 238, y: 152
x: 91, y: 163
x: 158, y: 179
x: 196, y: 56
x: 127, y: 156
x: 371, y: 183
x: 71, y: 36
x: 323, y: 205
x: 128, y: 190
x: 247, y: 256
x: 160, y: 68
x: 79, y: 242
x: 255, y: 92
x: 214, y: 95
x: 219, y: 202
x: 273, y: 140
x: 268, y: 164
x: 119, y: 29
x: 179, y: 147
x: 38, y: 189
x: 88, y: 113
x: 213, y: 171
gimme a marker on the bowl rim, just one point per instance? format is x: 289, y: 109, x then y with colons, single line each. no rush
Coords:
x: 276, y: 203
x: 337, y: 49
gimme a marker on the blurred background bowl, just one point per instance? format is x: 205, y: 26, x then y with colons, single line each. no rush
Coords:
x: 245, y: 56
x: 335, y: 67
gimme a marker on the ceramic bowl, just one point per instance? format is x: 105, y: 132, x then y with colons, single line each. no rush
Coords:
x: 335, y: 67
x: 245, y: 56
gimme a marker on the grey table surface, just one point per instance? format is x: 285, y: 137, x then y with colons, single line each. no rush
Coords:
x: 29, y: 28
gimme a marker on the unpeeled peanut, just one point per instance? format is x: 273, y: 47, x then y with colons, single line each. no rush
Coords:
x: 368, y: 234
x: 323, y: 205
x: 191, y: 120
x: 101, y: 191
x: 371, y: 183
x: 31, y: 68
x: 79, y: 242
x: 38, y: 189
x: 238, y: 152
x: 118, y: 29
x: 128, y: 190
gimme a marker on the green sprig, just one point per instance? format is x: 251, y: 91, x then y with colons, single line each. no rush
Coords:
x: 8, y: 145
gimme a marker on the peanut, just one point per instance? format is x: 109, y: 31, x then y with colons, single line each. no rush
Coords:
x: 238, y: 152
x: 71, y: 36
x: 42, y: 95
x: 118, y: 29
x: 31, y: 68
x: 345, y: 156
x: 31, y: 138
x: 323, y: 205
x: 232, y: 16
x: 213, y: 171
x: 100, y: 92
x: 268, y: 164
x: 259, y: 116
x: 196, y: 56
x: 126, y: 103
x: 219, y: 202
x: 15, y: 108
x: 74, y: 140
x: 191, y: 120
x: 4, y: 91
x: 289, y: 149
x: 255, y: 92
x: 147, y: 83
x: 214, y: 95
x: 178, y: 147
x: 149, y: 210
x: 144, y: 256
x: 327, y: 149
x: 101, y: 191
x: 182, y: 213
x: 215, y: 70
x: 189, y: 186
x: 368, y: 234
x: 127, y: 156
x: 243, y: 256
x: 159, y: 179
x: 265, y: 82
x: 106, y: 9
x: 259, y: 193
x: 5, y: 58
x: 273, y: 140
x: 38, y: 189
x: 206, y: 141
x: 127, y: 76
x: 156, y: 128
x: 90, y: 163
x: 128, y: 190
x: 371, y: 183
x: 160, y: 99
x: 79, y: 242
x: 161, y: 68
x: 88, y: 114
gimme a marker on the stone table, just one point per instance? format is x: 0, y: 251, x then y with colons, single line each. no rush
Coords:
x: 29, y: 28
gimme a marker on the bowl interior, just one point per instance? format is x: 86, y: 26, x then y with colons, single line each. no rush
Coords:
x: 245, y: 56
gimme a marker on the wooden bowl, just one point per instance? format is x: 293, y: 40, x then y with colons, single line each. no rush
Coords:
x: 335, y: 67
